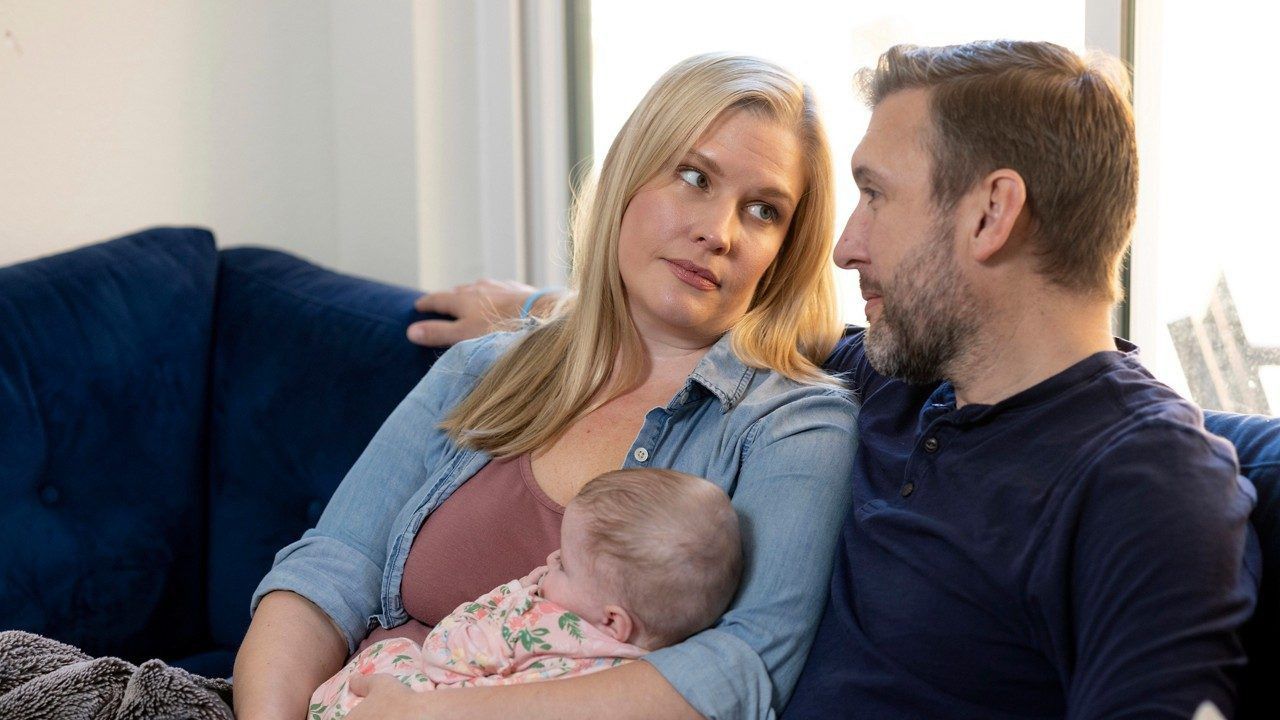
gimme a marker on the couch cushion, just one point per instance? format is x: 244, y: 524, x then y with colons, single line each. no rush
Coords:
x: 307, y: 365
x: 1257, y: 441
x: 103, y: 364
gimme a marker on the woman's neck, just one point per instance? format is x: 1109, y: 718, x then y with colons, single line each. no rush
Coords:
x: 667, y: 361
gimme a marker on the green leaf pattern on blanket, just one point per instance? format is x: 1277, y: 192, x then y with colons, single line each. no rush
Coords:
x: 531, y: 639
x: 572, y: 624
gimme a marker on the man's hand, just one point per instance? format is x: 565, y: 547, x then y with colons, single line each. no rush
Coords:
x: 479, y: 308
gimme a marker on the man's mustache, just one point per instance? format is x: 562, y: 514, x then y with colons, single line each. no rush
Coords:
x: 869, y: 287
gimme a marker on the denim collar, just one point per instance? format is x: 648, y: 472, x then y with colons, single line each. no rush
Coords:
x: 721, y: 373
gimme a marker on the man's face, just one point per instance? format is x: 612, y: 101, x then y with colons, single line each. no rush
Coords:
x: 919, y: 308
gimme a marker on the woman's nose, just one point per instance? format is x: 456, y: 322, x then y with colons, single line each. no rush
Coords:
x: 716, y: 228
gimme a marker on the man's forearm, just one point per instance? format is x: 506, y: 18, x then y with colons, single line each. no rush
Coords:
x: 291, y: 648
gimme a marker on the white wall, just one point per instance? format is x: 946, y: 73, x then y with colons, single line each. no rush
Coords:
x: 390, y: 139
x: 374, y: 147
x: 120, y: 115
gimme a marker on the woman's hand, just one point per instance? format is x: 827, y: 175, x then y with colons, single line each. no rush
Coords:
x: 386, y: 698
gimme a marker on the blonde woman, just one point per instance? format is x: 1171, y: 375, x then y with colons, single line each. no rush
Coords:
x: 704, y: 307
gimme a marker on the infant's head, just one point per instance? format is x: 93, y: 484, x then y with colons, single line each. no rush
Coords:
x: 649, y: 556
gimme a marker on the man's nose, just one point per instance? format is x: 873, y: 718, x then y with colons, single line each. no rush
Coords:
x: 851, y: 248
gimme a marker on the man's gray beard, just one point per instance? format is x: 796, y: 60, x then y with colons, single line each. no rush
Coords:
x: 926, y: 318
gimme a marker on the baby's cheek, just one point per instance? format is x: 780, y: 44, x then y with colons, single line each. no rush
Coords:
x: 551, y: 587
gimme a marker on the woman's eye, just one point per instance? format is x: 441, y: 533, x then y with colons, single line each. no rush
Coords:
x: 767, y: 213
x: 695, y: 178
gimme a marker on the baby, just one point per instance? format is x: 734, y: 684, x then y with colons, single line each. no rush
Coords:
x: 647, y: 558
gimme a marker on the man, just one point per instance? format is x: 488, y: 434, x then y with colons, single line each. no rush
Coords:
x: 1039, y: 528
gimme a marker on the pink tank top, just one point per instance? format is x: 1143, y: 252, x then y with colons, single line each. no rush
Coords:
x: 495, y: 528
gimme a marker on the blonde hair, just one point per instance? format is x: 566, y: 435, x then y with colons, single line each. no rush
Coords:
x: 667, y: 543
x: 560, y: 370
x: 1063, y: 122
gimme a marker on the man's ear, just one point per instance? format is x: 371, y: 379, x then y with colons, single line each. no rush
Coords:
x: 1001, y: 196
x: 618, y: 624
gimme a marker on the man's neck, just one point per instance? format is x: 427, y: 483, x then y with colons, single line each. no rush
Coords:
x: 1023, y: 344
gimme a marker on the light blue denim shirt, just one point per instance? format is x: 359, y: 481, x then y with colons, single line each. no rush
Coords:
x: 782, y: 451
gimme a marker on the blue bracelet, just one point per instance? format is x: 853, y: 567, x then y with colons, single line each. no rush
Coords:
x: 529, y: 301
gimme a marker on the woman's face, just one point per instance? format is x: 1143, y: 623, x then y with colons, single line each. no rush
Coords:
x: 696, y: 240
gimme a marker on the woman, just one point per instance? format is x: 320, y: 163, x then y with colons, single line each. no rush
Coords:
x: 704, y: 306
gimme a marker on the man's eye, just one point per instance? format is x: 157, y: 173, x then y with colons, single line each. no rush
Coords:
x: 761, y: 211
x: 871, y: 194
x: 696, y: 178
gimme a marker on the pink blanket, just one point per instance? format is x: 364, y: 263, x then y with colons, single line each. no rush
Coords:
x: 511, y: 635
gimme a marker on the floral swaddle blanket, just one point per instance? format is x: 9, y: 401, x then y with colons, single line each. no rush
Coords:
x: 510, y: 635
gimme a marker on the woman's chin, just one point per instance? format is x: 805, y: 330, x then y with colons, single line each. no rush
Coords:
x: 678, y: 321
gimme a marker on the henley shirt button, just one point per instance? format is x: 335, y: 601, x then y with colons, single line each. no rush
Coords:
x: 931, y: 445
x: 908, y: 489
x: 640, y: 454
x: 49, y: 495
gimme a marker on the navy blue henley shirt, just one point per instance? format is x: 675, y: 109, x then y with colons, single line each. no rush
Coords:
x: 1079, y: 550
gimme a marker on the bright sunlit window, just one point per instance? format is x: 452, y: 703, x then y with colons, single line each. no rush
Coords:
x: 1207, y: 247
x: 822, y: 42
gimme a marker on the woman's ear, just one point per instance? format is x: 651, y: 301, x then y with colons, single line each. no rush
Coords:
x: 618, y: 624
x: 1003, y: 195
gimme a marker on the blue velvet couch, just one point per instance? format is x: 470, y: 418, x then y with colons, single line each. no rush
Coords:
x: 172, y: 414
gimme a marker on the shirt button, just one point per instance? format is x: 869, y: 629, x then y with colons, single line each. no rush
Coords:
x: 908, y: 489
x: 49, y: 495
x: 640, y: 454
x: 931, y: 445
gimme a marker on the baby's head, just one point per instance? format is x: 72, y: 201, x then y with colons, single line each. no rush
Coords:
x: 648, y: 556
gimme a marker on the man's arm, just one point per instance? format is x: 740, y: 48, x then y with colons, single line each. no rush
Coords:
x: 479, y: 308
x: 1163, y: 578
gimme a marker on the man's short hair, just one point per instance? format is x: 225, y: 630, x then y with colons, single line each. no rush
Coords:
x: 1062, y: 122
x: 670, y: 545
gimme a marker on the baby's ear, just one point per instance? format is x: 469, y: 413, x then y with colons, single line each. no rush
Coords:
x: 617, y: 624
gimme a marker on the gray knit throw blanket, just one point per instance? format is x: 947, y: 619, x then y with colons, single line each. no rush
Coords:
x: 44, y: 679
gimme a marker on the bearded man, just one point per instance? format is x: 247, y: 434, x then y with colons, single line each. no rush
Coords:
x: 1040, y: 529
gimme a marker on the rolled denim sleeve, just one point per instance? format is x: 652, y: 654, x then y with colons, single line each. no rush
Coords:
x: 338, y: 564
x: 792, y: 494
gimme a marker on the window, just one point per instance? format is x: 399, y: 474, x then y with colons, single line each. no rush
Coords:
x: 822, y: 42
x: 1204, y: 255
x: 1203, y: 288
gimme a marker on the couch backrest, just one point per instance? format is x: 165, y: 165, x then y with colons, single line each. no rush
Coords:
x: 307, y: 365
x: 104, y: 356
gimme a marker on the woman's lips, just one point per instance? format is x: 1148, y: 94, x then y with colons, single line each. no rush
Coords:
x: 690, y: 277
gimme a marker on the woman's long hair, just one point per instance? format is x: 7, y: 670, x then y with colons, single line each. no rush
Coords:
x: 576, y: 362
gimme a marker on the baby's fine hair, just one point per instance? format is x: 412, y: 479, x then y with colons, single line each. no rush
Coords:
x: 671, y: 546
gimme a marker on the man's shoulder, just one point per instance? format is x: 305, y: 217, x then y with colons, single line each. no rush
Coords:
x: 848, y: 351
x: 1151, y: 437
x: 1148, y: 412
